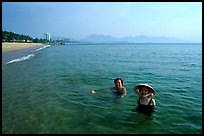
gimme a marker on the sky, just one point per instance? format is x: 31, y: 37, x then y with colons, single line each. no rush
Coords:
x: 77, y: 20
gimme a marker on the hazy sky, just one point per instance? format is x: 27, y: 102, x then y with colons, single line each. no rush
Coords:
x: 76, y: 20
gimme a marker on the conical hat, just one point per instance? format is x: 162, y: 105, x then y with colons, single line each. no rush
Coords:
x: 151, y: 90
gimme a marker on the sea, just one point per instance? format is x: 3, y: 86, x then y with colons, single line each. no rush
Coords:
x: 47, y: 90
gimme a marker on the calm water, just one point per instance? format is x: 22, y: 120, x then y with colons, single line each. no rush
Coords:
x: 49, y: 92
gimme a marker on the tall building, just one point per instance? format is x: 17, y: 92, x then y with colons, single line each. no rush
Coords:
x: 47, y: 36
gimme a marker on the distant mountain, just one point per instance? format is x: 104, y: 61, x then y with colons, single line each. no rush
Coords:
x: 99, y: 39
x: 130, y: 39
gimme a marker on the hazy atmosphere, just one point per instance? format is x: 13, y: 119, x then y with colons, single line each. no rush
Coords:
x: 77, y: 20
x: 102, y: 68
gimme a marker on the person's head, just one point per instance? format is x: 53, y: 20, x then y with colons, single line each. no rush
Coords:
x: 118, y: 82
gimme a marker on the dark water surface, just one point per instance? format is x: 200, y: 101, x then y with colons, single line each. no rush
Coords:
x: 49, y: 92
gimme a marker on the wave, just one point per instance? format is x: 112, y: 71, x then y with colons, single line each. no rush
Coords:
x: 28, y: 56
x: 43, y: 47
x: 21, y: 58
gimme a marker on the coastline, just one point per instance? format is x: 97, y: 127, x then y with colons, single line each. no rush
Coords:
x: 7, y: 47
x: 12, y: 51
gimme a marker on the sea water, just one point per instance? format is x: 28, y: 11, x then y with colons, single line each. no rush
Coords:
x: 50, y: 91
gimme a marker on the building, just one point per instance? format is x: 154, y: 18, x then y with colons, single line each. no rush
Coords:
x: 47, y: 36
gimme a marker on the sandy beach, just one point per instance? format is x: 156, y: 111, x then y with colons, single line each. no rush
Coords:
x: 7, y: 47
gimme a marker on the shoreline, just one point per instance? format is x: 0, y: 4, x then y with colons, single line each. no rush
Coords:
x: 8, y: 47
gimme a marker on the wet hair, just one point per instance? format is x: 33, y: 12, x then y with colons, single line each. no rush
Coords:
x: 118, y: 79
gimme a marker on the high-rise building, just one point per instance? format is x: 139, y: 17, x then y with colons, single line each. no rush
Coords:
x: 47, y: 36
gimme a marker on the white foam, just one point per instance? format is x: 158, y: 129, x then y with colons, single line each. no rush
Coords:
x: 28, y: 56
x: 21, y: 59
x: 43, y: 47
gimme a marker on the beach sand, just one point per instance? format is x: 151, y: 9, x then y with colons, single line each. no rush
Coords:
x: 7, y: 47
x: 12, y: 51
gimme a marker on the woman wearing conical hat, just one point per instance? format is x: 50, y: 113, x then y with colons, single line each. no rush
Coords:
x: 146, y: 94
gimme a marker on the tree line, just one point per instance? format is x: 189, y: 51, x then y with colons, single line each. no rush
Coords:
x: 14, y: 37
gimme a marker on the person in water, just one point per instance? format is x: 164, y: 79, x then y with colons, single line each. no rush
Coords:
x: 146, y: 103
x: 118, y: 89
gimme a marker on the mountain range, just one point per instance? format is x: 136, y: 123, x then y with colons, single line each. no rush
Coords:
x: 130, y: 39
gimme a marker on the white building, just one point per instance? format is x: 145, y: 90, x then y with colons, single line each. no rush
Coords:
x: 47, y: 36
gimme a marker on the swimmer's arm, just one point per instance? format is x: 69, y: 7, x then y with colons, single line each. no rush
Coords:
x: 124, y: 92
x: 153, y: 102
x: 101, y: 90
x: 150, y: 95
x: 137, y: 91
